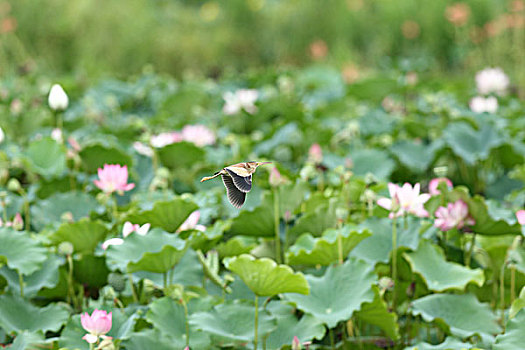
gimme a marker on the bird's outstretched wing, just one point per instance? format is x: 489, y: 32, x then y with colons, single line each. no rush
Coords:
x: 235, y: 196
x: 243, y: 183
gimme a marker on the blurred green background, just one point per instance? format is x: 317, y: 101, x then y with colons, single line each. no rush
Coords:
x: 93, y: 38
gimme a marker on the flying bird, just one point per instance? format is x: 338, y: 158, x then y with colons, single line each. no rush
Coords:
x: 237, y: 179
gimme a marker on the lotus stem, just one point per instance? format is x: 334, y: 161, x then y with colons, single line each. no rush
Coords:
x: 512, y: 283
x: 165, y: 280
x: 186, y: 323
x: 133, y: 292
x: 71, y: 290
x: 256, y: 323
x: 276, y: 226
x: 471, y: 249
x: 340, y: 248
x: 502, y: 295
x: 394, y: 261
x: 21, y: 282
x: 332, y: 340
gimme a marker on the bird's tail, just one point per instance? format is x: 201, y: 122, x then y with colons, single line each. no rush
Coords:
x: 206, y: 178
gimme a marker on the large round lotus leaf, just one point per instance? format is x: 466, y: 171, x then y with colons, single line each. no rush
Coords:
x: 514, y: 336
x: 123, y: 323
x: 91, y: 270
x: 157, y: 251
x: 168, y: 215
x: 464, y: 315
x: 373, y: 161
x: 168, y: 316
x: 84, y: 235
x: 439, y: 274
x: 46, y: 276
x: 46, y: 157
x: 233, y: 323
x: 265, y: 278
x: 236, y: 246
x: 28, y: 340
x: 315, y: 221
x: 308, y: 250
x: 148, y: 339
x: 17, y: 314
x: 337, y: 294
x: 377, y: 247
x: 306, y: 329
x: 180, y: 155
x: 450, y: 343
x: 50, y: 210
x: 95, y: 155
x: 416, y: 156
x: 257, y: 222
x: 21, y: 252
x: 471, y: 144
x: 377, y: 313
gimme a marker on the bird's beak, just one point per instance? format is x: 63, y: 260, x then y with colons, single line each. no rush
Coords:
x: 262, y: 163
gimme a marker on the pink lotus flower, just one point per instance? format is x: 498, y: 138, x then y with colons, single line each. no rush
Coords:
x: 240, y: 99
x: 404, y: 200
x: 97, y: 325
x: 296, y: 343
x: 520, y: 215
x: 434, y: 183
x: 200, y: 135
x: 165, y: 138
x: 128, y: 228
x: 113, y: 177
x: 455, y: 215
x: 191, y: 223
x: 315, y: 153
x: 17, y: 223
x: 143, y: 149
x: 275, y: 177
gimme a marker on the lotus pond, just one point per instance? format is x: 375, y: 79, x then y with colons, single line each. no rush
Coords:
x: 388, y: 219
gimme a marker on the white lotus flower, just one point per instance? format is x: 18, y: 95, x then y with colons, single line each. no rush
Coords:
x: 240, y: 99
x: 481, y: 104
x: 492, y: 80
x: 57, y: 99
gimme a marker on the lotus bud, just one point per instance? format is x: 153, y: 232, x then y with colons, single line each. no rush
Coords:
x: 315, y: 153
x: 106, y: 344
x: 520, y: 215
x: 67, y: 217
x: 56, y: 135
x: 13, y: 185
x: 65, y: 248
x: 18, y: 222
x: 58, y: 100
x: 276, y: 178
x: 386, y: 283
x: 296, y: 344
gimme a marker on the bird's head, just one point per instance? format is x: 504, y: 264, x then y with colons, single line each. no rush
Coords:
x: 254, y: 165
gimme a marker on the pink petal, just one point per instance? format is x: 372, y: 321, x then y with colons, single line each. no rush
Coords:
x: 520, y: 215
x: 143, y: 230
x: 112, y: 241
x: 385, y: 203
x: 90, y: 338
x: 127, y: 229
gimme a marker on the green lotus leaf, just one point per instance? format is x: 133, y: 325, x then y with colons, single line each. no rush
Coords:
x: 373, y: 161
x: 308, y: 250
x: 91, y: 270
x: 377, y: 313
x: 256, y: 222
x: 377, y: 247
x: 265, y: 278
x: 450, y: 343
x: 236, y: 246
x: 96, y: 154
x: 315, y: 222
x: 180, y: 155
x: 518, y: 304
x: 514, y: 336
x: 28, y: 341
x: 471, y: 144
x: 50, y: 210
x: 168, y: 215
x: 168, y: 316
x: 46, y: 157
x: 17, y: 314
x: 46, y: 276
x: 306, y: 329
x: 84, y: 235
x: 232, y: 323
x: 415, y: 156
x: 462, y: 315
x: 439, y: 274
x: 336, y: 295
x: 147, y: 339
x: 123, y: 322
x: 158, y: 251
x: 20, y: 252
